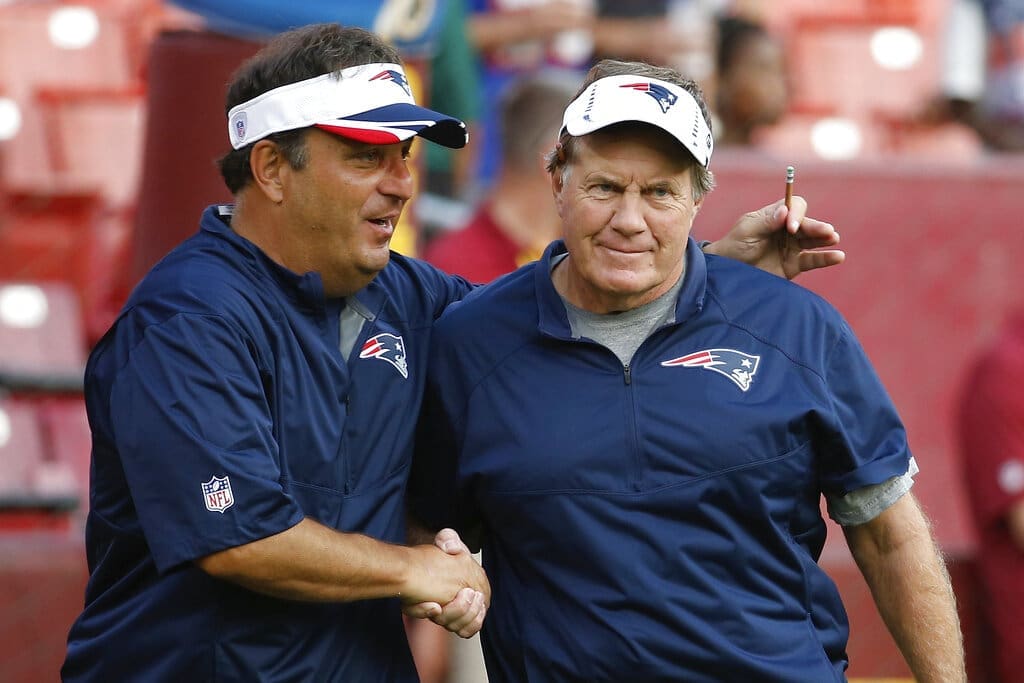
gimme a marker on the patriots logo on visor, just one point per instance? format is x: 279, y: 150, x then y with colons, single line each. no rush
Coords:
x: 396, y: 76
x: 662, y: 95
x: 739, y: 367
x: 387, y: 347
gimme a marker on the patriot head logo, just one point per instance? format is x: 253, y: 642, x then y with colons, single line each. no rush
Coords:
x: 737, y: 366
x: 217, y: 494
x: 396, y: 76
x: 387, y: 347
x: 662, y: 95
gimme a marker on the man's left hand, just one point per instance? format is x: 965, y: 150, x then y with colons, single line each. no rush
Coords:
x: 780, y: 241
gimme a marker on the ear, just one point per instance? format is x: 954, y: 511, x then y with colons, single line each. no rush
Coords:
x: 558, y: 186
x: 697, y: 203
x: 267, y: 165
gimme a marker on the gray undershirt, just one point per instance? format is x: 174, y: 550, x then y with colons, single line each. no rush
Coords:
x: 623, y: 333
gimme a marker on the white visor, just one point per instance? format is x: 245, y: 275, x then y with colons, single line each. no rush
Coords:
x: 369, y: 103
x: 616, y: 99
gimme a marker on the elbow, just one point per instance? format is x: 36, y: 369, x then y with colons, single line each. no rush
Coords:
x: 223, y: 564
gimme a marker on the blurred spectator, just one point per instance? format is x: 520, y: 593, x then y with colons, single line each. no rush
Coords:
x: 676, y: 33
x: 750, y: 81
x: 514, y: 224
x: 520, y: 37
x: 983, y: 72
x: 992, y: 450
x: 455, y: 81
x: 516, y: 38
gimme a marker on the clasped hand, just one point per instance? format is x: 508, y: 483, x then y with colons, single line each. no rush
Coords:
x: 450, y: 560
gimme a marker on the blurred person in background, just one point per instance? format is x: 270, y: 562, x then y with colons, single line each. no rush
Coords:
x: 982, y: 79
x: 643, y: 519
x: 454, y: 76
x: 516, y: 38
x: 751, y: 90
x: 991, y: 433
x: 517, y: 219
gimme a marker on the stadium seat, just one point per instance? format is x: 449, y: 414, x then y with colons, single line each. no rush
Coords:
x: 75, y: 238
x: 42, y: 344
x: 819, y: 52
x: 29, y: 59
x: 36, y: 491
x: 66, y: 430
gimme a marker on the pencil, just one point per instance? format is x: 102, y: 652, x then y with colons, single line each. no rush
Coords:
x: 790, y: 173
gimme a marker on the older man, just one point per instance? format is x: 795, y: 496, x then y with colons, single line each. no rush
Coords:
x: 639, y: 435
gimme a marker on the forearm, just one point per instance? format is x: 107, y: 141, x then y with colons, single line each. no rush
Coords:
x: 912, y: 590
x: 312, y: 562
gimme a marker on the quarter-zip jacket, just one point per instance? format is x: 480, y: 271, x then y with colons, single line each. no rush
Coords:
x: 658, y: 521
x: 223, y: 412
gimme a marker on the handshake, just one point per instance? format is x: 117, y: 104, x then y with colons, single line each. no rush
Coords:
x: 447, y: 585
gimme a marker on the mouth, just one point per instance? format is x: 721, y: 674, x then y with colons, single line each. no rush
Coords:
x: 627, y: 251
x: 385, y: 225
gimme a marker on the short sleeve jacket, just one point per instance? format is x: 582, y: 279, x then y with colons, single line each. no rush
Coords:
x: 656, y: 521
x: 223, y: 412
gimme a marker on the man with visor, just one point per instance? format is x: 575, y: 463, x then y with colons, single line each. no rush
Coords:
x: 639, y: 436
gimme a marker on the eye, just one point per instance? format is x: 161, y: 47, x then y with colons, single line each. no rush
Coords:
x: 661, y: 193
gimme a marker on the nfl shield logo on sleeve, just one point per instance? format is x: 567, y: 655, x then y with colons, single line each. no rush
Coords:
x: 217, y: 494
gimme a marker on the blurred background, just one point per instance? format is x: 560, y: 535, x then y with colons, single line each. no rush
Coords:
x: 903, y: 118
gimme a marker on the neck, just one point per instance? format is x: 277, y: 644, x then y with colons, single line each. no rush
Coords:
x: 571, y: 285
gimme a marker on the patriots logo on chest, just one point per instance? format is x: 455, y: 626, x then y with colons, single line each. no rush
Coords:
x: 387, y: 347
x: 739, y: 367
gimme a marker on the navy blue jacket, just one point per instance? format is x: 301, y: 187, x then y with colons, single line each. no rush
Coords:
x: 223, y: 412
x: 659, y: 521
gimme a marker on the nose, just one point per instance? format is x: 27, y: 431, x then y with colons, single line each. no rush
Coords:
x: 628, y: 217
x: 397, y: 180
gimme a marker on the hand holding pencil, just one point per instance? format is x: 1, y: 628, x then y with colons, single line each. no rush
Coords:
x: 760, y: 239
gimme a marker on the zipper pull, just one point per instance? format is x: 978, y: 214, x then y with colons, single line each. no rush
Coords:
x: 626, y: 373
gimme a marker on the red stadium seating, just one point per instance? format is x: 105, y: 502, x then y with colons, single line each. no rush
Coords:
x: 66, y: 431
x: 35, y: 490
x: 41, y: 336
